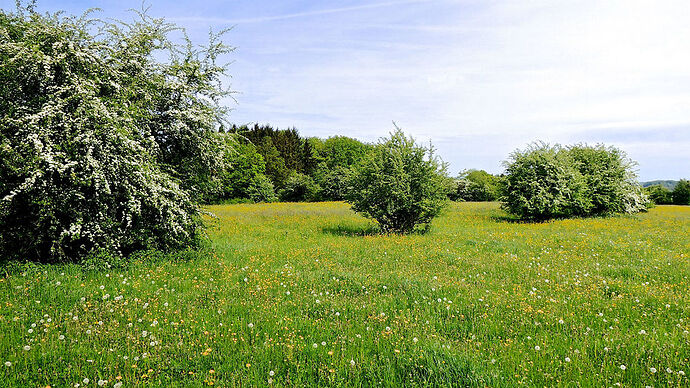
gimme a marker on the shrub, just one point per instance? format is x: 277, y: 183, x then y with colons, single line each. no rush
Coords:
x: 399, y: 184
x: 681, y: 193
x: 476, y: 185
x: 261, y: 190
x: 299, y: 187
x: 91, y: 130
x: 659, y: 195
x: 611, y: 182
x: 544, y: 182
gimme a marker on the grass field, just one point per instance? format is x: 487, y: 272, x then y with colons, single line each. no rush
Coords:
x: 306, y: 295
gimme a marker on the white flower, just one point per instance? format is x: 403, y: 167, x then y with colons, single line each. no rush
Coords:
x: 7, y: 363
x: 388, y: 328
x: 537, y: 348
x: 323, y: 343
x: 652, y: 369
x: 102, y: 287
x: 31, y: 331
x: 315, y: 346
x: 102, y: 382
x: 567, y: 359
x: 287, y: 293
x: 668, y: 370
x: 61, y: 337
x: 86, y: 380
x: 623, y: 367
x: 680, y: 372
x: 643, y: 332
x: 271, y: 373
x: 27, y: 347
x: 352, y: 362
x: 118, y: 384
x: 251, y: 325
x: 415, y: 340
x: 144, y: 333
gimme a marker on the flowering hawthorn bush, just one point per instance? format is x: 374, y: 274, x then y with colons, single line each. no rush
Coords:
x: 102, y: 147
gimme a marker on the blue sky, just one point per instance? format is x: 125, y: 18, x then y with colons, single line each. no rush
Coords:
x: 477, y: 78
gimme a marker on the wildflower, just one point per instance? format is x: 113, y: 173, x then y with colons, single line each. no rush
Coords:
x: 668, y: 370
x: 352, y: 362
x: 86, y: 380
x: 643, y: 332
x: 61, y: 337
x: 623, y: 367
x: 8, y: 364
x: 537, y: 348
x: 323, y: 343
x: 251, y: 325
x: 415, y: 340
x: 388, y: 328
x: 287, y: 293
x: 102, y: 382
x: 652, y: 369
x: 271, y: 373
x: 680, y: 372
x: 27, y: 347
x: 567, y: 359
x: 315, y: 346
x: 118, y: 384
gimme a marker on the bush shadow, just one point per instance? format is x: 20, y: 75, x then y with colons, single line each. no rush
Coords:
x: 351, y: 230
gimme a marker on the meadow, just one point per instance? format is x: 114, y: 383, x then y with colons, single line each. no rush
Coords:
x: 308, y: 295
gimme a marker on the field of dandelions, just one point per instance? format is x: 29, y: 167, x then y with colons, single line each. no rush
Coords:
x: 307, y: 295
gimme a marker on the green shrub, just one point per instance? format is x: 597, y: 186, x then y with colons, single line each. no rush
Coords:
x: 544, y: 182
x: 298, y: 188
x: 476, y: 185
x: 96, y: 136
x: 261, y: 190
x: 399, y: 184
x: 659, y: 195
x: 681, y: 193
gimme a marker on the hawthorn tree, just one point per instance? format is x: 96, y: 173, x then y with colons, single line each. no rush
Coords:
x: 103, y: 147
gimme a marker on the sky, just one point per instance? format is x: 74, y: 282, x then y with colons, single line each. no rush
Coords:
x: 477, y: 78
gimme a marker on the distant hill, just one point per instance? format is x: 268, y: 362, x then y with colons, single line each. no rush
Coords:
x: 667, y: 184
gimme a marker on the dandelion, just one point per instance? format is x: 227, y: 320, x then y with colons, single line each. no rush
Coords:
x: 537, y: 348
x: 8, y: 364
x: 567, y: 359
x: 652, y: 369
x: 415, y: 340
x: 352, y: 362
x: 623, y: 367
x: 27, y: 348
x: 271, y: 373
x: 251, y: 325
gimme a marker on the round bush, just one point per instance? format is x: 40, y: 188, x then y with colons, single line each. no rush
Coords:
x: 399, y: 184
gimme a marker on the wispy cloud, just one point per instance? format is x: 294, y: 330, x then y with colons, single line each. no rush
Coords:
x: 319, y: 12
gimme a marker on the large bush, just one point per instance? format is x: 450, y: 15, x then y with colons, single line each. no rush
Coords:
x: 96, y: 136
x: 544, y: 182
x: 400, y: 184
x: 681, y: 193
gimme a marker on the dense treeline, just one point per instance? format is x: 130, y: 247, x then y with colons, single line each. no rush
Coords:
x: 660, y: 195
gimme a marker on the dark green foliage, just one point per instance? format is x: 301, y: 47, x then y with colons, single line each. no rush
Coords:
x: 476, y: 185
x: 681, y: 194
x: 298, y: 188
x: 276, y: 169
x: 659, y: 194
x: 667, y: 184
x: 400, y: 184
x: 544, y: 182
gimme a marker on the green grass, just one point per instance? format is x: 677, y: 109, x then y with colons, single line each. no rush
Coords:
x: 309, y: 292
